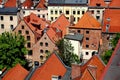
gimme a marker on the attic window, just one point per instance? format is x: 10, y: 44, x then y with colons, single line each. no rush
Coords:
x: 56, y: 77
x: 41, y: 51
x: 30, y: 52
x: 22, y: 26
x: 98, y: 4
x: 46, y: 44
x: 41, y: 43
x: 41, y: 57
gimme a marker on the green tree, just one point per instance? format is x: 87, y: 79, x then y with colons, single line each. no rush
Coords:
x: 12, y: 50
x: 65, y: 51
x: 108, y: 53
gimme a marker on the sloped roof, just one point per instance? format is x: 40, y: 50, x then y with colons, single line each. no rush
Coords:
x: 114, y: 24
x: 114, y: 3
x: 95, y: 61
x: 77, y: 37
x: 27, y: 3
x: 0, y: 1
x: 61, y: 23
x: 52, y: 67
x: 33, y: 19
x: 94, y: 2
x: 67, y: 2
x: 88, y: 21
x: 10, y: 3
x: 16, y: 73
x: 41, y: 4
x: 52, y: 35
x: 112, y: 70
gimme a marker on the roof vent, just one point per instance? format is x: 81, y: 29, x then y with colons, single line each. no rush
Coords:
x: 108, y: 19
x: 107, y: 27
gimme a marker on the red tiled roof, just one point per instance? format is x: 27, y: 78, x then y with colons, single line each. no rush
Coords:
x: 115, y: 3
x: 88, y: 21
x: 52, y: 35
x: 33, y: 19
x: 16, y: 73
x: 41, y: 4
x: 28, y: 3
x: 114, y: 16
x: 61, y: 23
x: 86, y: 74
x: 94, y: 2
x: 52, y: 67
x: 0, y: 1
x: 10, y: 3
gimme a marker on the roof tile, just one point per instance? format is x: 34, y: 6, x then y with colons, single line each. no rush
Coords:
x: 10, y: 3
x: 52, y: 67
x: 88, y: 21
x: 94, y: 3
x: 115, y: 3
x: 41, y: 4
x: 28, y: 3
x: 114, y: 20
x: 16, y: 73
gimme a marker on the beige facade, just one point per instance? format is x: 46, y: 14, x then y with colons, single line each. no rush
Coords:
x: 42, y: 48
x: 42, y: 13
x: 8, y: 22
x: 76, y: 11
x: 97, y: 13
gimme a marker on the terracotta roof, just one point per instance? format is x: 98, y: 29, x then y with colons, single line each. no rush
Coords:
x: 10, y: 3
x: 52, y: 35
x: 112, y: 70
x: 33, y: 20
x: 114, y: 24
x: 94, y: 3
x: 61, y: 23
x: 0, y: 1
x: 16, y: 73
x: 88, y: 21
x: 28, y: 3
x: 115, y: 3
x: 52, y: 67
x: 93, y: 67
x: 41, y: 4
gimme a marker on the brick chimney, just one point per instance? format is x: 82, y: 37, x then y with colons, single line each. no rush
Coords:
x: 76, y: 72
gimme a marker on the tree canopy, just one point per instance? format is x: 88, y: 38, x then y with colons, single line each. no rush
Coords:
x: 66, y: 52
x: 108, y: 53
x: 12, y: 50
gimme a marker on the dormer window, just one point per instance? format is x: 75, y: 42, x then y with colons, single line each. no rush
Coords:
x: 107, y: 27
x: 56, y: 77
x: 98, y: 4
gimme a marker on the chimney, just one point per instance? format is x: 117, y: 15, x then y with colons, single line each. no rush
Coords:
x: 76, y: 72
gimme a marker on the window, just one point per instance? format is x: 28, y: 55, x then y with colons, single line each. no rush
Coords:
x: 78, y: 31
x: 28, y: 44
x: 46, y: 51
x: 87, y: 38
x: 78, y: 12
x: 87, y: 53
x: 92, y: 11
x: 78, y: 19
x: 30, y: 52
x: 83, y: 12
x: 19, y: 31
x: 74, y: 18
x: 46, y: 44
x: 1, y: 18
x: 38, y: 15
x: 11, y: 27
x: 41, y: 43
x: 87, y: 32
x: 56, y: 12
x: 97, y: 17
x: 55, y: 17
x: 27, y: 32
x: 11, y: 18
x: 68, y: 18
x: 41, y: 51
x: 28, y: 38
x: 93, y: 53
x: 51, y: 11
x: 43, y: 16
x: 2, y: 26
x: 98, y: 12
x: 67, y: 12
x: 56, y: 77
x: 23, y: 12
x: 45, y: 38
x: 51, y: 18
x: 87, y: 46
x: 74, y: 12
x: 98, y: 4
x: 60, y: 11
x: 38, y: 10
x: 22, y: 26
x: 41, y: 57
